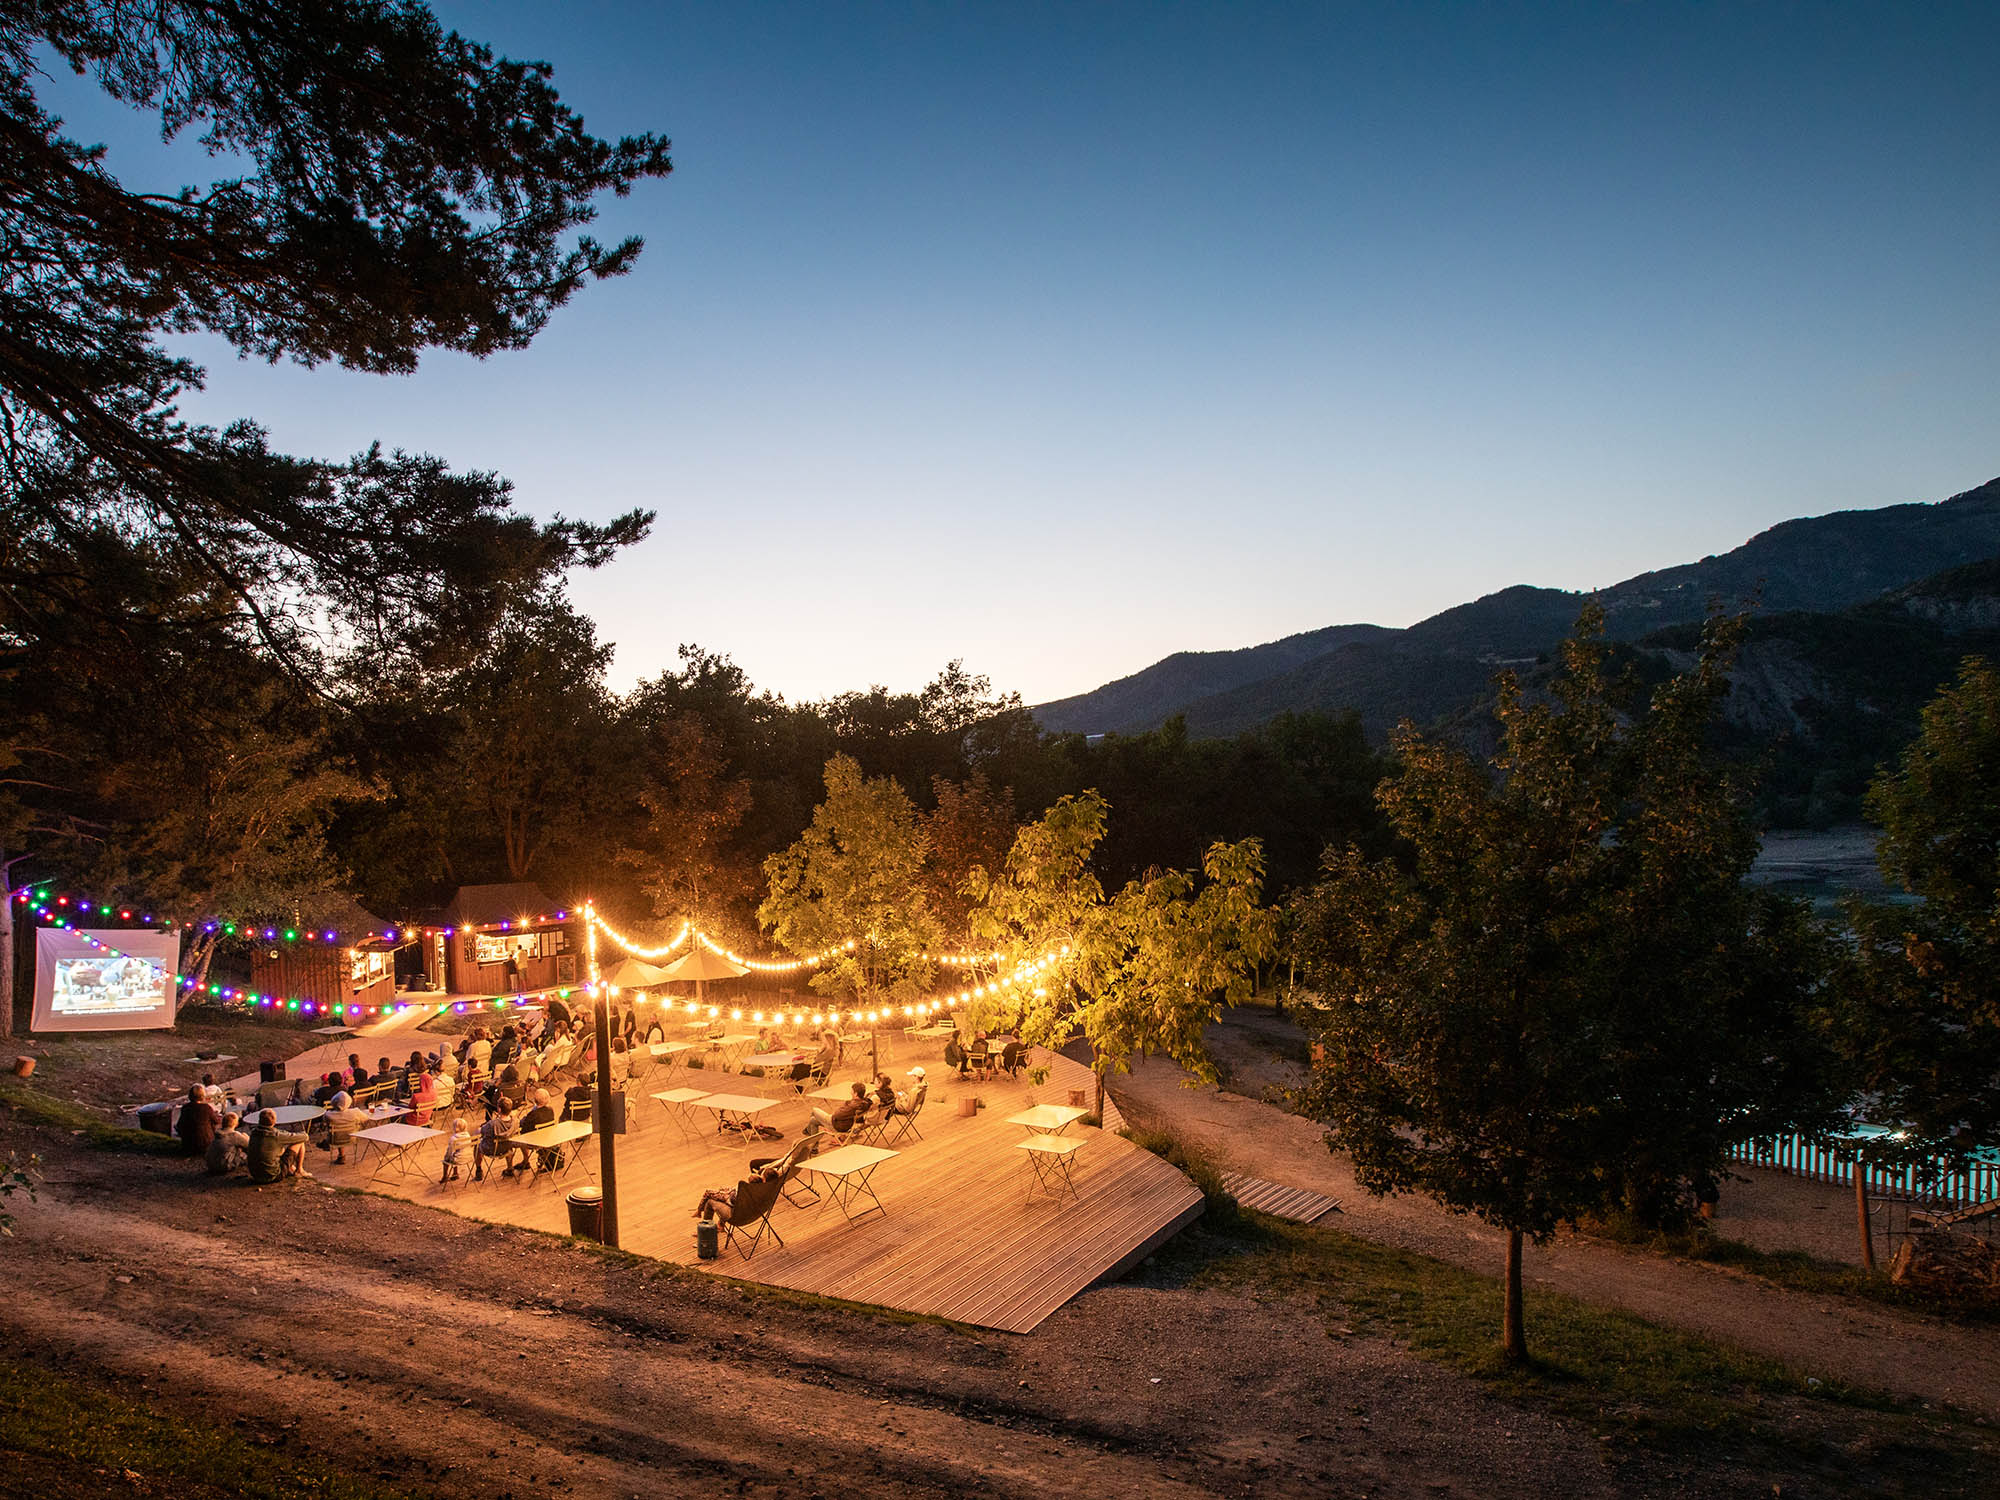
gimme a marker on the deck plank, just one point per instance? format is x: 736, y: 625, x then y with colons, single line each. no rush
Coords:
x: 962, y: 1239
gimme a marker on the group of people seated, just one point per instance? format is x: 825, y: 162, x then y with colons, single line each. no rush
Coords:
x: 983, y: 1054
x: 267, y: 1152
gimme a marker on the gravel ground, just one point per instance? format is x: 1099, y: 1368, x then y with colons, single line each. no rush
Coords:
x: 1863, y: 1343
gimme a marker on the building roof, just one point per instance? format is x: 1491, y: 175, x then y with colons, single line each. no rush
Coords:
x: 482, y: 905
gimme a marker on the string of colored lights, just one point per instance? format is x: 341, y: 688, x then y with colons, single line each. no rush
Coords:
x: 42, y: 900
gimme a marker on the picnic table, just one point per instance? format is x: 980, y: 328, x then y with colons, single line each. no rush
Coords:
x: 551, y: 1139
x: 734, y: 1113
x: 393, y: 1144
x: 1053, y: 1158
x: 1048, y: 1119
x: 847, y: 1170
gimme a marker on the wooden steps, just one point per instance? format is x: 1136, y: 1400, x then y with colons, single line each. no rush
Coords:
x: 1279, y: 1201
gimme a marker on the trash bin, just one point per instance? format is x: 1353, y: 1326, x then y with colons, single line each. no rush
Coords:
x: 708, y: 1239
x: 586, y: 1213
x: 158, y: 1118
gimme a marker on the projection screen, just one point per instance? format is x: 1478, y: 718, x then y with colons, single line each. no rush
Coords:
x: 105, y: 979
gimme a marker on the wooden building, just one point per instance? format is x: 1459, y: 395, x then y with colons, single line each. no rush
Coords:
x: 341, y: 958
x: 503, y: 940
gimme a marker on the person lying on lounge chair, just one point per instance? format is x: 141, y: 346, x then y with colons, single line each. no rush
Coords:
x: 719, y: 1203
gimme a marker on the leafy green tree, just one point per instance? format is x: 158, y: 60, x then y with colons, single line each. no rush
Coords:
x: 856, y: 873
x: 1147, y: 970
x: 390, y: 188
x: 1563, y: 1000
x: 1926, y: 1029
x: 970, y: 825
x: 684, y: 846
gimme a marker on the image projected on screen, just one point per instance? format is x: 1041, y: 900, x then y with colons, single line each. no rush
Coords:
x: 107, y: 986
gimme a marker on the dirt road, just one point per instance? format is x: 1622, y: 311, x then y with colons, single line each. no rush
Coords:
x: 1828, y: 1337
x: 472, y: 1359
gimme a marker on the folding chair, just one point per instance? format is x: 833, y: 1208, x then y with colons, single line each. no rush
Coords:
x: 898, y: 1127
x: 750, y: 1214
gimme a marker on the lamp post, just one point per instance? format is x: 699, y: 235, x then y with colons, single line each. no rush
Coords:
x: 607, y: 1158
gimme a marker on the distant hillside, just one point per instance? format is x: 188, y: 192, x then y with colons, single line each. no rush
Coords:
x: 1444, y: 664
x: 1148, y: 698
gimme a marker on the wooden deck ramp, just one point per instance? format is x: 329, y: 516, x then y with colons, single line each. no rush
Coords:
x: 963, y: 1236
x: 1281, y: 1202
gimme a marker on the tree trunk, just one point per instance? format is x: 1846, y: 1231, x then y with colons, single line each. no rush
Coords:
x: 7, y: 943
x: 1513, y: 1338
x: 1861, y: 1213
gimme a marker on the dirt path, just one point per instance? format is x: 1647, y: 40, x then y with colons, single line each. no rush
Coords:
x: 471, y: 1359
x: 1828, y: 1337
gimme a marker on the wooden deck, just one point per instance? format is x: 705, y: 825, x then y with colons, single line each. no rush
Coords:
x: 962, y: 1238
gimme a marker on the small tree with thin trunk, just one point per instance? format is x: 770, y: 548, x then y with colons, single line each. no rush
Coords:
x: 1564, y: 1001
x: 1145, y: 971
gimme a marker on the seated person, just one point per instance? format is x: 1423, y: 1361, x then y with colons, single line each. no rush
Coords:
x: 358, y: 1074
x: 954, y: 1055
x: 329, y: 1085
x: 513, y: 1087
x: 621, y: 1062
x: 655, y: 1032
x: 507, y: 1048
x: 557, y: 1013
x: 273, y: 1153
x: 342, y: 1120
x: 197, y: 1124
x: 719, y: 1203
x: 539, y: 1113
x: 478, y: 1050
x: 848, y: 1113
x: 423, y: 1097
x: 885, y: 1094
x: 229, y: 1148
x: 213, y: 1091
x: 576, y: 1101
x: 906, y: 1104
x: 493, y: 1135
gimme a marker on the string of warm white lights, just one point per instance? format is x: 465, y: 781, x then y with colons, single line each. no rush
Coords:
x: 688, y: 930
x: 919, y: 1010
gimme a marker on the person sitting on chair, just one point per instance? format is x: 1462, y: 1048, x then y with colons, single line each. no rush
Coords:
x: 719, y: 1203
x: 885, y: 1094
x: 846, y: 1114
x: 198, y: 1122
x: 906, y: 1104
x: 342, y: 1120
x: 493, y: 1135
x: 954, y: 1055
x: 541, y: 1112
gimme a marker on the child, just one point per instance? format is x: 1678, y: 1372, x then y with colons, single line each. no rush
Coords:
x: 457, y: 1150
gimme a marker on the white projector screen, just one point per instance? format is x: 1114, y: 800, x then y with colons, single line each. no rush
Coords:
x: 105, y: 979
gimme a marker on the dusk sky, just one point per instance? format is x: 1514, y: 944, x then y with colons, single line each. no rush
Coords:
x: 1058, y: 339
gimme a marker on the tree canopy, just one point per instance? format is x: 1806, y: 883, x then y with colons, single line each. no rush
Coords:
x: 1563, y: 999
x: 1926, y: 1028
x: 384, y: 187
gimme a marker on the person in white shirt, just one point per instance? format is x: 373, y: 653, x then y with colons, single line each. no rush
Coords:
x: 480, y: 1054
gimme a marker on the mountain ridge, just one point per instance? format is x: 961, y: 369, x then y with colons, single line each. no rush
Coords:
x: 1442, y: 663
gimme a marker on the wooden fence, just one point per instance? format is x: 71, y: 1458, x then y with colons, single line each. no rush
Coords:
x: 1975, y: 1181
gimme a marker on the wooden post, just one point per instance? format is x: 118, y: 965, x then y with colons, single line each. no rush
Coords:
x: 7, y: 943
x: 1861, y: 1213
x: 607, y: 1160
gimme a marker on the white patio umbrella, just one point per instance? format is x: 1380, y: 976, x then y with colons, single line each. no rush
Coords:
x: 702, y: 966
x: 634, y: 974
